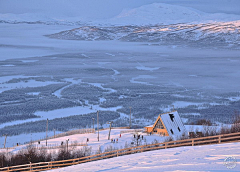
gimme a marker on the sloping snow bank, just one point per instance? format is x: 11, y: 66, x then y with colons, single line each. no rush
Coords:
x: 208, y: 158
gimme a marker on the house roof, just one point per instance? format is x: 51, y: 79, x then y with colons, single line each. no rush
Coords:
x: 172, y: 123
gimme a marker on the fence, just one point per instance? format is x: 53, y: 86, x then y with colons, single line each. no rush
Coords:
x: 56, y: 146
x: 42, y: 166
x: 132, y: 131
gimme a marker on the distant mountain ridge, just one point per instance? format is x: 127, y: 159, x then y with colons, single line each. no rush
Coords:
x: 223, y: 34
x: 155, y: 13
x: 160, y: 13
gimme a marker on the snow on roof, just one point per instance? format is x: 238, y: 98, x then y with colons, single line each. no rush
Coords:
x: 173, y: 123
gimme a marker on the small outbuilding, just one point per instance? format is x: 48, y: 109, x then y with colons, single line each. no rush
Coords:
x: 167, y: 124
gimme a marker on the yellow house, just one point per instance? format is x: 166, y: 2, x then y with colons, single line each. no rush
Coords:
x: 167, y: 124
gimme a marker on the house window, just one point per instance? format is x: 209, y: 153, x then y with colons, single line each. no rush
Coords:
x: 159, y: 125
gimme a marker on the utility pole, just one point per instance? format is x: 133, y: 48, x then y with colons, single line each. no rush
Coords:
x: 46, y: 131
x: 98, y: 124
x: 67, y: 145
x: 5, y: 140
x: 93, y: 123
x: 130, y: 121
x: 109, y: 129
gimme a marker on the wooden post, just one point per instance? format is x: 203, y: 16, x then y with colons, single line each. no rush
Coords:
x: 67, y: 145
x: 93, y: 123
x: 219, y: 139
x: 117, y: 153
x: 30, y: 166
x: 165, y: 145
x: 130, y: 121
x: 46, y: 131
x: 50, y: 166
x: 98, y: 124
x: 109, y: 129
x: 192, y: 142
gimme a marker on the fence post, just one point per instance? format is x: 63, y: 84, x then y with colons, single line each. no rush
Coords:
x: 219, y: 139
x: 192, y: 142
x: 117, y: 153
x: 30, y: 165
x: 165, y: 145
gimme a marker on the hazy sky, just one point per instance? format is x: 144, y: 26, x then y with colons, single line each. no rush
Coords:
x: 100, y: 9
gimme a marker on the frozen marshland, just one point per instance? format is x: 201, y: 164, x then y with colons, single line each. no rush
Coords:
x: 66, y: 63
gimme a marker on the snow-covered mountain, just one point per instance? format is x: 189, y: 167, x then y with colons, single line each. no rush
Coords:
x: 158, y: 13
x: 106, y: 12
x: 203, y: 34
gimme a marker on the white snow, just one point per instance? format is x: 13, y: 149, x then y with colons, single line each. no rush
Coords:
x: 207, y: 158
x: 27, y: 83
x: 34, y: 93
x: 197, y: 158
x: 233, y: 99
x: 99, y: 85
x: 29, y: 61
x: 195, y: 114
x: 12, y: 141
x: 69, y: 80
x: 142, y: 67
x: 134, y: 79
x: 104, y: 143
x: 160, y: 13
x: 8, y: 65
x: 59, y: 113
x: 182, y: 104
x: 4, y: 85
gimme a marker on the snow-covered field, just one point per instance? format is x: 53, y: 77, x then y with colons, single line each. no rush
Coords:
x: 103, y: 143
x: 198, y: 158
x: 208, y: 158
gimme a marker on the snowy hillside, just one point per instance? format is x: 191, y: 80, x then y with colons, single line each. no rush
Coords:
x: 189, y: 158
x: 198, y: 158
x: 202, y: 34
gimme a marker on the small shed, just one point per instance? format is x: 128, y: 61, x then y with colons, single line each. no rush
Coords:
x: 167, y: 124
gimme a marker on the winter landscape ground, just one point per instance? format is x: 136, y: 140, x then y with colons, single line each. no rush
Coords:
x: 64, y: 61
x: 203, y: 158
